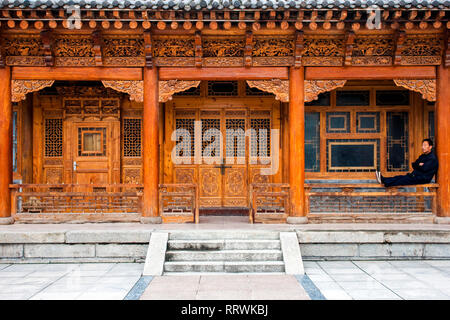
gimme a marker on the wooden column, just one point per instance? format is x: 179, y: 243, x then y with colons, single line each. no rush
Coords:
x: 27, y: 140
x: 442, y: 142
x: 297, y: 145
x: 150, y: 140
x: 6, y: 146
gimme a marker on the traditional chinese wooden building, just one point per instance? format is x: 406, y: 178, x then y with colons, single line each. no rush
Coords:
x: 92, y: 91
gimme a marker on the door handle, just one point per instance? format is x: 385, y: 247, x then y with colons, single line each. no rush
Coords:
x: 74, y: 166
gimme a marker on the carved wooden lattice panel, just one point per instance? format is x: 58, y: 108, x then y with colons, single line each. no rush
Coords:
x: 235, y: 138
x: 53, y: 137
x: 208, y: 148
x: 132, y: 130
x: 183, y: 145
x: 260, y: 138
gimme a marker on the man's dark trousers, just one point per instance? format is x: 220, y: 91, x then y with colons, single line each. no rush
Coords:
x: 399, y: 181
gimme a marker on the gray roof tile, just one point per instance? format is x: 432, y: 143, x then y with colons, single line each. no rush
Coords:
x: 231, y: 4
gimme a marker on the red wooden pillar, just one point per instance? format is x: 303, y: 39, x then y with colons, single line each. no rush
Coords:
x: 5, y: 146
x: 442, y: 143
x: 297, y: 145
x: 150, y: 143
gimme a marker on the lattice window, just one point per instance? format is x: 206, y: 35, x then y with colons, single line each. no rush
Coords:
x: 181, y: 145
x: 235, y: 137
x: 338, y: 122
x: 260, y: 138
x: 397, y: 141
x: 352, y: 98
x: 209, y: 143
x: 132, y: 132
x: 14, y: 141
x: 53, y: 137
x: 312, y: 141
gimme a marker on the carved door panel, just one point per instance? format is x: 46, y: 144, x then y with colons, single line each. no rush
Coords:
x: 92, y: 153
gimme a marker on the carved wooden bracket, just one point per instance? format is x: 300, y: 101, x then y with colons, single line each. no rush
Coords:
x: 168, y: 88
x: 134, y: 88
x: 280, y: 88
x: 315, y: 87
x: 426, y: 87
x: 20, y: 88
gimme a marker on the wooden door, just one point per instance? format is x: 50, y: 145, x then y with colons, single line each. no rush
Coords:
x: 93, y: 153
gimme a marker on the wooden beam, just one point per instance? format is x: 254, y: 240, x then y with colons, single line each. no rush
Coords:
x: 370, y: 73
x: 232, y: 73
x: 76, y: 73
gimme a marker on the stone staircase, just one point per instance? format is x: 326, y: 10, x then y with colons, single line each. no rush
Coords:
x: 223, y: 252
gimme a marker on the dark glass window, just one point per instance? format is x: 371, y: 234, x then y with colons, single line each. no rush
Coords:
x: 397, y: 141
x: 352, y: 98
x: 367, y: 122
x: 392, y: 97
x: 312, y: 141
x: 322, y: 100
x: 431, y: 126
x: 352, y: 155
x: 222, y: 88
x: 338, y: 122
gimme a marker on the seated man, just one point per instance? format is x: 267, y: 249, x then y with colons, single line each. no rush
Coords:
x: 425, y: 167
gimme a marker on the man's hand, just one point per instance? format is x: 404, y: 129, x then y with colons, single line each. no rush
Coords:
x: 421, y: 164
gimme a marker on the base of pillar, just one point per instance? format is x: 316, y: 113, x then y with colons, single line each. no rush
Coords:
x: 442, y: 220
x: 297, y: 220
x: 7, y: 220
x: 151, y: 220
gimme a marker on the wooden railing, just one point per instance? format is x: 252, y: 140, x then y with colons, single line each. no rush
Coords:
x: 369, y: 198
x: 75, y: 198
x: 179, y: 202
x: 269, y: 202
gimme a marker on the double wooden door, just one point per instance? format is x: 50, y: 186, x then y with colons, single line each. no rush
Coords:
x: 227, y: 146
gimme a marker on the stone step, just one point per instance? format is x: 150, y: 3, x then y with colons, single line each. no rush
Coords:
x: 224, y: 245
x: 224, y: 266
x: 224, y: 255
x: 224, y: 235
x: 220, y: 273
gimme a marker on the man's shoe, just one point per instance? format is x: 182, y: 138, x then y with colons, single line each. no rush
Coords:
x: 378, y: 176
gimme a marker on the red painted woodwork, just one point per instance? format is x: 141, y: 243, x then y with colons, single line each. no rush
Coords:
x: 370, y: 73
x: 76, y: 74
x: 442, y: 141
x: 238, y: 73
x: 297, y: 141
x: 5, y: 142
x: 150, y: 141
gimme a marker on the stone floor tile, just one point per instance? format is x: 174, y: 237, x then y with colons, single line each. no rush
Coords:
x: 361, y: 285
x: 333, y: 294
x: 58, y: 295
x: 320, y: 277
x: 373, y: 294
x: 400, y: 284
x: 422, y: 294
x: 336, y: 264
x: 279, y: 295
x: 16, y: 296
x: 327, y: 285
x: 179, y: 295
x: 29, y: 267
x: 400, y: 277
x: 351, y: 277
x: 344, y: 271
x: 4, y: 265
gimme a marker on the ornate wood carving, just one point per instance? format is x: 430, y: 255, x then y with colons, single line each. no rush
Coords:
x: 315, y: 87
x: 148, y: 49
x: 97, y: 47
x: 248, y: 49
x: 298, y: 48
x: 20, y: 88
x: 349, y: 41
x: 373, y: 50
x: 198, y: 49
x: 280, y: 88
x: 426, y: 87
x: 134, y: 88
x: 47, y: 42
x: 168, y: 88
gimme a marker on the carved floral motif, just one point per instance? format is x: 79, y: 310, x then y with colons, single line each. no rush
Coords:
x: 134, y: 88
x: 315, y: 87
x: 20, y: 88
x: 168, y: 88
x: 280, y: 88
x: 426, y: 87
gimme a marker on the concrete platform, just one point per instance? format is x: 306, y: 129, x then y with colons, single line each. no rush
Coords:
x: 128, y: 242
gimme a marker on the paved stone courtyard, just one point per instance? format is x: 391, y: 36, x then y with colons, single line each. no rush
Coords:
x: 425, y: 279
